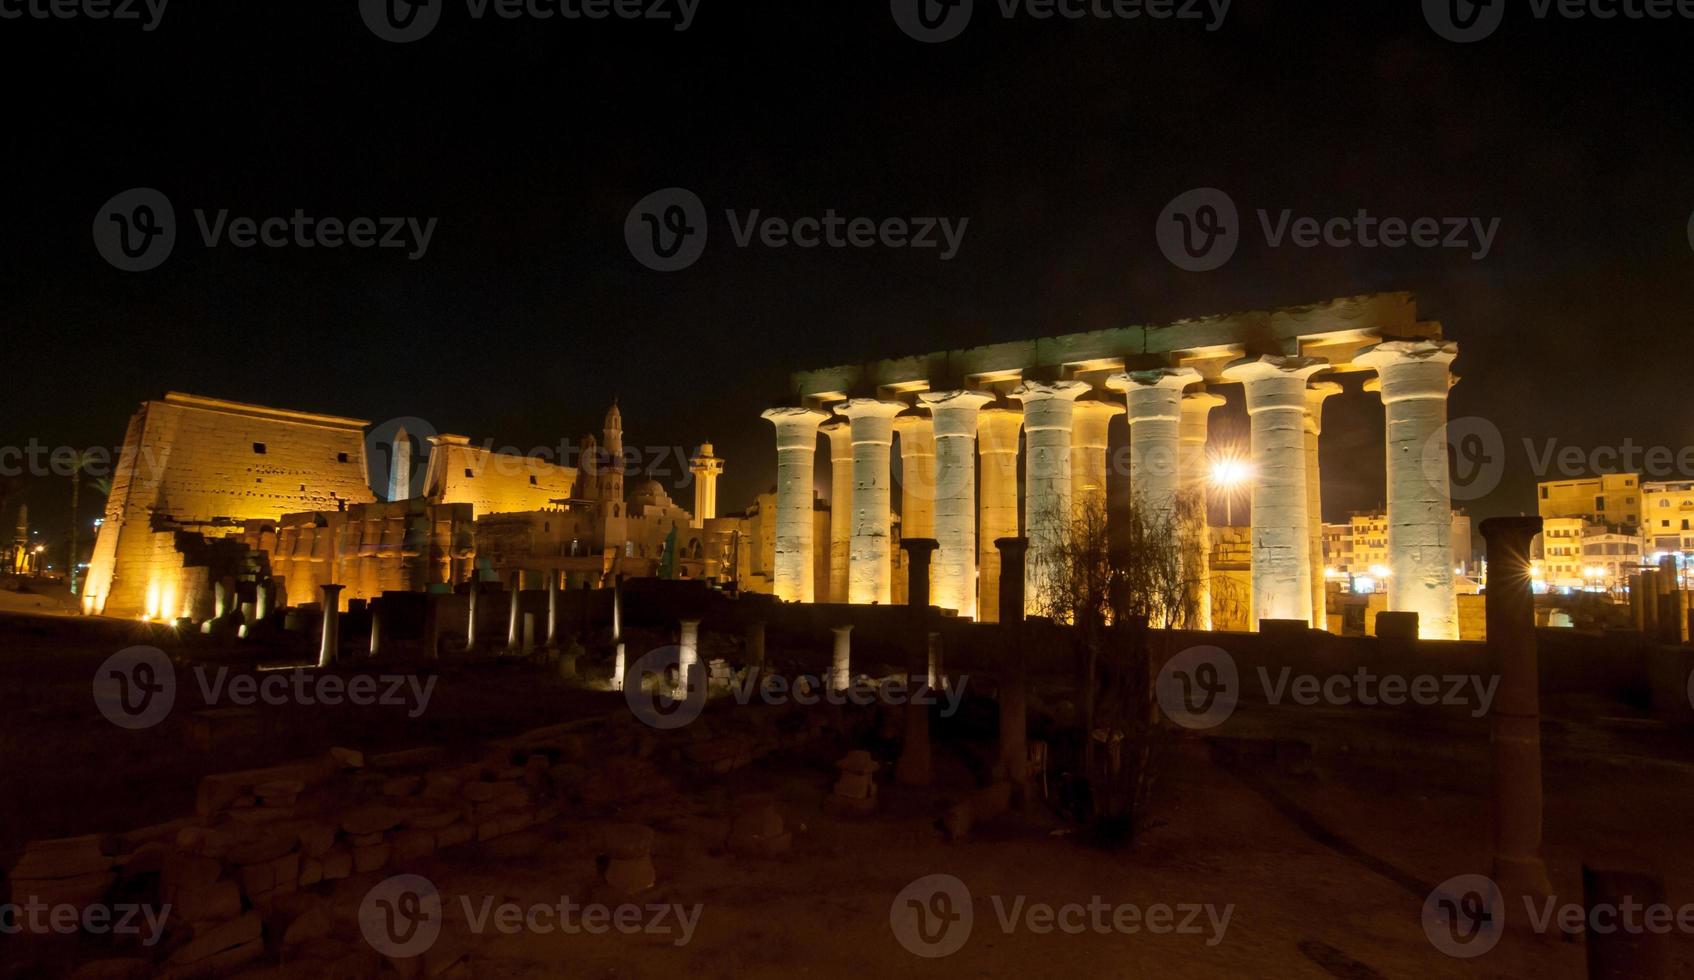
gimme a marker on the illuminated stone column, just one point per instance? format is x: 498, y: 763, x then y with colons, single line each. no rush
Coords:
x: 841, y: 669
x: 706, y: 467
x: 796, y: 445
x: 688, y: 655
x: 1089, y: 424
x: 1415, y: 376
x: 1193, y: 473
x: 997, y: 430
x: 840, y: 433
x: 1154, y: 400
x: 473, y: 613
x: 329, y: 650
x: 1276, y: 406
x: 870, y: 567
x: 1048, y: 419
x: 1316, y: 394
x: 1515, y: 720
x: 553, y: 611
x: 954, y: 571
x: 917, y: 474
x: 514, y: 618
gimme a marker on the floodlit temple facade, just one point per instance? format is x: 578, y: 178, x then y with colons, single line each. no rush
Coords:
x: 962, y: 414
x: 210, y: 492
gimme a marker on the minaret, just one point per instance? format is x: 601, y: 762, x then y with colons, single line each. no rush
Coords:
x: 400, y: 477
x: 614, y: 523
x: 706, y: 468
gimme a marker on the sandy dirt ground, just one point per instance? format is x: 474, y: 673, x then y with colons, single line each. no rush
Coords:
x: 1322, y: 869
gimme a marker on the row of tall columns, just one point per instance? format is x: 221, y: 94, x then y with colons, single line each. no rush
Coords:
x: 1317, y: 393
x: 1049, y: 411
x: 997, y: 428
x: 956, y: 415
x: 1276, y: 408
x: 1414, y: 377
x: 1064, y: 429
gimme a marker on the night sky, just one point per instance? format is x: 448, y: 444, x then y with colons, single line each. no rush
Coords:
x: 1061, y: 142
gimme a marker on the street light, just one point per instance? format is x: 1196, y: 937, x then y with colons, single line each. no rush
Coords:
x: 1229, y: 474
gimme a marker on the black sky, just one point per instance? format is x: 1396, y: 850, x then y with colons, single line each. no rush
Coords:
x: 1061, y: 142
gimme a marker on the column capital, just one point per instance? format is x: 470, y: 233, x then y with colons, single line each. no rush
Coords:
x: 913, y: 417
x: 1168, y: 377
x: 1095, y: 404
x: 1202, y: 401
x: 1274, y: 365
x: 1317, y: 393
x: 1408, y: 369
x: 955, y: 399
x: 869, y: 408
x: 1035, y: 391
x: 1391, y: 352
x: 793, y: 417
x: 1513, y: 533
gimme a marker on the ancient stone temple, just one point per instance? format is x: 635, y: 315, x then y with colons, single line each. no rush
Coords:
x: 194, y: 467
x: 212, y: 494
x: 1058, y: 392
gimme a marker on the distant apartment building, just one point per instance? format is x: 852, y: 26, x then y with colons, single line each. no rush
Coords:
x: 1667, y: 516
x: 1359, y: 547
x: 1611, y: 498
